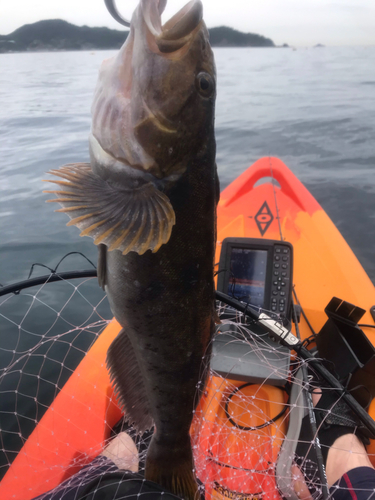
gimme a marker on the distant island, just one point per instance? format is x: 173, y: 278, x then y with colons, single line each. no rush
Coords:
x: 56, y: 34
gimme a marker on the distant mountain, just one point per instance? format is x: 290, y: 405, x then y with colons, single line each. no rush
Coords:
x: 56, y: 34
x: 228, y: 37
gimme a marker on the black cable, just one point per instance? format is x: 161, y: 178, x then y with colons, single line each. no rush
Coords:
x: 309, y: 340
x: 286, y: 338
x: 256, y: 427
x: 40, y: 265
x: 56, y: 267
x: 53, y: 277
x: 303, y: 312
x: 218, y: 272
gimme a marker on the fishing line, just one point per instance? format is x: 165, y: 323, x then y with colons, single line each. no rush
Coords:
x: 275, y: 198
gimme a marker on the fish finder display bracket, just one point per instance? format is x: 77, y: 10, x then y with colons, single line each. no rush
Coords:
x: 258, y: 272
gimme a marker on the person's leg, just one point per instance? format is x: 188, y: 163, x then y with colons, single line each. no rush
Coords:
x: 350, y: 474
x: 121, y: 453
x: 346, y: 453
x: 356, y: 484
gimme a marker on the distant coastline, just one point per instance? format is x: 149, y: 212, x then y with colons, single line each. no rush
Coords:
x: 56, y: 34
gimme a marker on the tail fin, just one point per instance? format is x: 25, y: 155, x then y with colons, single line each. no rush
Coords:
x: 172, y: 468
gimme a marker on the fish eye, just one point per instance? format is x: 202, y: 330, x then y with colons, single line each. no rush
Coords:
x: 205, y: 84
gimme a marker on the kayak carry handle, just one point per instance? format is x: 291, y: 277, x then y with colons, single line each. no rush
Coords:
x: 270, y: 168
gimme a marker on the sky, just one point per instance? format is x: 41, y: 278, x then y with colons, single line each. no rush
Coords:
x: 296, y: 22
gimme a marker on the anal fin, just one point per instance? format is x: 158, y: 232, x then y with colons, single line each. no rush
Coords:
x: 126, y: 375
x: 120, y: 217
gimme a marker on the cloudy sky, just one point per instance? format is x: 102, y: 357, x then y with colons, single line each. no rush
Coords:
x: 296, y: 22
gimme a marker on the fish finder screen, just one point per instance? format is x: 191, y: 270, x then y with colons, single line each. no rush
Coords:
x: 248, y: 275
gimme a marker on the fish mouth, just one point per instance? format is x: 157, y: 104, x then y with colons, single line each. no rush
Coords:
x: 176, y: 32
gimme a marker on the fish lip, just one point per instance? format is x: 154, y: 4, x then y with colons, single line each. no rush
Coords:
x: 177, y: 31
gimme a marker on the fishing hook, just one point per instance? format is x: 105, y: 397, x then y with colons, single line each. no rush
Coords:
x: 112, y: 9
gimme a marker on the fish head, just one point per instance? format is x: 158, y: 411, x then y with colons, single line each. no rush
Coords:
x: 154, y: 103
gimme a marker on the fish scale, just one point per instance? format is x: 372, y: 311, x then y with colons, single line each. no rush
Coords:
x: 148, y: 199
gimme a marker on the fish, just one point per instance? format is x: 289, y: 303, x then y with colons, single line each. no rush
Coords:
x: 148, y: 199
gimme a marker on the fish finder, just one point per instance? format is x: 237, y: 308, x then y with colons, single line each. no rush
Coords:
x: 258, y: 272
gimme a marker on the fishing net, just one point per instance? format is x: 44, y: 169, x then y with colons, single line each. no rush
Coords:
x: 58, y: 414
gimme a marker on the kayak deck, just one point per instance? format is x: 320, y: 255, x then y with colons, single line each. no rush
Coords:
x: 266, y: 201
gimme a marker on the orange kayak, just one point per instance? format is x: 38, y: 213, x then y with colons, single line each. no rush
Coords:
x: 233, y: 461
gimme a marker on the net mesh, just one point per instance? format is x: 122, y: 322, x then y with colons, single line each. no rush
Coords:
x: 62, y: 429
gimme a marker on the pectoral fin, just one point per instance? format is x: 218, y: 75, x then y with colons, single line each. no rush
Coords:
x: 135, y: 220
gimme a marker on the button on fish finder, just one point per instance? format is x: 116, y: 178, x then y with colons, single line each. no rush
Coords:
x: 250, y: 271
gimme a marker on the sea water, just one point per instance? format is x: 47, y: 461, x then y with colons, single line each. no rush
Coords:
x: 312, y: 107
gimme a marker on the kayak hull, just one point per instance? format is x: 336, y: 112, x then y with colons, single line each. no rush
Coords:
x: 266, y: 201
